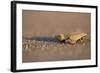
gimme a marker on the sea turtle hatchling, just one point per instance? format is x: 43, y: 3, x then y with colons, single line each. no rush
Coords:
x: 72, y: 38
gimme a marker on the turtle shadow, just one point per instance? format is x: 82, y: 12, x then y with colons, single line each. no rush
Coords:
x: 43, y: 38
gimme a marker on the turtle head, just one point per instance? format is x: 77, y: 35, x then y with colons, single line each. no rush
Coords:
x: 60, y: 37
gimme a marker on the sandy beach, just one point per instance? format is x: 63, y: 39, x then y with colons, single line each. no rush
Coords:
x: 39, y: 29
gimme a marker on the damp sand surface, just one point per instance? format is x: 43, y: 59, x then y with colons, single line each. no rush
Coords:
x: 49, y: 50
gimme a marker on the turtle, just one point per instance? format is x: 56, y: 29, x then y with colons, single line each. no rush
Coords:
x: 72, y: 38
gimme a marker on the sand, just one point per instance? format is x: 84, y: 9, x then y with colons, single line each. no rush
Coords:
x: 40, y: 50
x: 39, y: 29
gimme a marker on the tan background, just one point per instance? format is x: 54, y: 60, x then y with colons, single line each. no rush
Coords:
x: 41, y: 27
x: 51, y: 23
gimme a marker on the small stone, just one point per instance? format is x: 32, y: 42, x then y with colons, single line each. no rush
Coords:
x: 26, y: 47
x: 43, y: 46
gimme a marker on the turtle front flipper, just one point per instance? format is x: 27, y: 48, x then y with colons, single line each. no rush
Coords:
x: 71, y: 41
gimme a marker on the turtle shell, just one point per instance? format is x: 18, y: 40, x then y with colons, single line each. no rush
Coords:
x: 76, y: 36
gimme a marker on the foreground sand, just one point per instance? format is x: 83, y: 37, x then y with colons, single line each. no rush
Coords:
x: 39, y: 50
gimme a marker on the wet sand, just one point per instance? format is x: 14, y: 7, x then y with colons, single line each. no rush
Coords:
x: 39, y: 29
x: 40, y: 50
